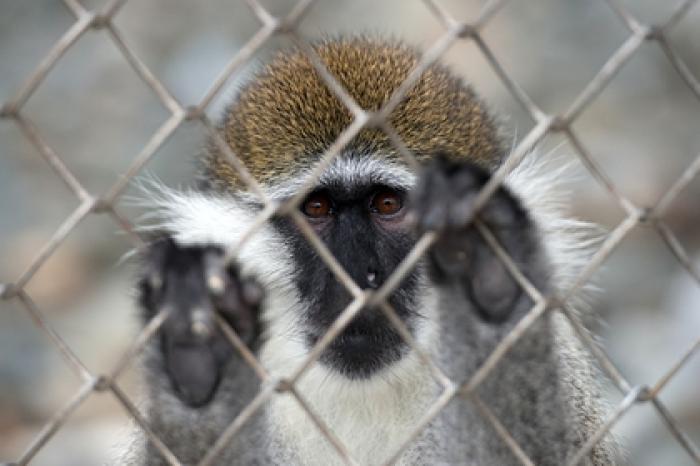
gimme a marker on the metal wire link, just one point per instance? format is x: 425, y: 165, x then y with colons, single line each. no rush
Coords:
x: 272, y: 26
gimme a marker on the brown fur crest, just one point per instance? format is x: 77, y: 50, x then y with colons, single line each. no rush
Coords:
x: 285, y: 118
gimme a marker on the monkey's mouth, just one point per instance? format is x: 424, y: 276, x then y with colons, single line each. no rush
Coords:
x: 361, y: 350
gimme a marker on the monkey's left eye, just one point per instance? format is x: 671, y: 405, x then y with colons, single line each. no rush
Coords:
x: 317, y: 205
x: 386, y: 202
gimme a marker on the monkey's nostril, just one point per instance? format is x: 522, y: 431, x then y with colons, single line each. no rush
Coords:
x: 372, y: 278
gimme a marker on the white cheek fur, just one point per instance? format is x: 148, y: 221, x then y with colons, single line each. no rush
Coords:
x: 540, y: 184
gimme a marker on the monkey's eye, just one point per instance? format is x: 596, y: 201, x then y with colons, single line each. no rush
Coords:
x: 386, y: 202
x: 317, y: 205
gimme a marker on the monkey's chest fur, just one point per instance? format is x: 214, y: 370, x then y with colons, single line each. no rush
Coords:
x: 374, y: 419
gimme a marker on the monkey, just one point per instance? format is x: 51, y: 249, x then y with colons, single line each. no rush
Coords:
x: 368, y: 207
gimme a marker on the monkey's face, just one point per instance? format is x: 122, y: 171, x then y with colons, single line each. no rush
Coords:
x: 360, y: 215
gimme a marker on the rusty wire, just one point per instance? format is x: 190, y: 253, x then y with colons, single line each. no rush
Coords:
x: 271, y: 26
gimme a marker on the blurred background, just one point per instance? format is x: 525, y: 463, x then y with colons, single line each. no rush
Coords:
x: 96, y: 114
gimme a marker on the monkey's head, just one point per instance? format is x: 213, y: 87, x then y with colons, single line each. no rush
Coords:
x: 281, y: 124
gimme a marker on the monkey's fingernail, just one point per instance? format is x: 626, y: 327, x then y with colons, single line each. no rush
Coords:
x: 201, y: 324
x: 372, y: 279
x: 215, y: 283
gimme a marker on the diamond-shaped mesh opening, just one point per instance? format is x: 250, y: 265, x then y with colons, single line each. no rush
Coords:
x: 92, y: 85
x: 560, y: 72
x: 636, y: 111
x: 85, y: 305
x: 286, y: 26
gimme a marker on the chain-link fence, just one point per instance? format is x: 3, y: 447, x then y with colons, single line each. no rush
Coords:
x: 286, y: 28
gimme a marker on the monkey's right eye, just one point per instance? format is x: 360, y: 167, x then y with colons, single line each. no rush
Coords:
x: 317, y: 205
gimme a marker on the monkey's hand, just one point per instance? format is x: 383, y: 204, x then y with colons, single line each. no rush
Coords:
x: 193, y: 284
x: 443, y: 201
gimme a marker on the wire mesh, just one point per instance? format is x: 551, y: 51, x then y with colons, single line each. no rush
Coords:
x: 271, y: 26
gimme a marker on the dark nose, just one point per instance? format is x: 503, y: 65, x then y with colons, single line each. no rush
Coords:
x: 356, y: 252
x: 365, y: 273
